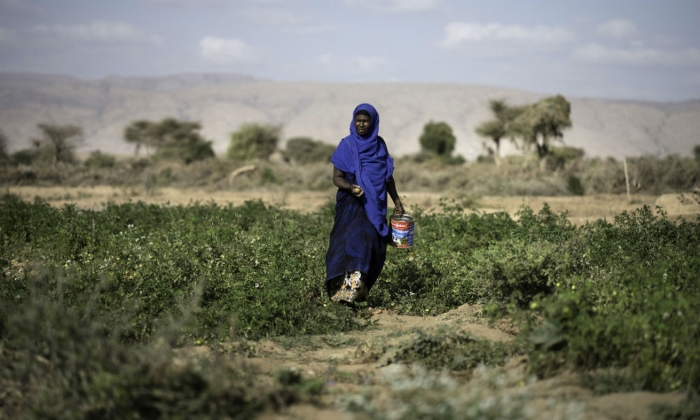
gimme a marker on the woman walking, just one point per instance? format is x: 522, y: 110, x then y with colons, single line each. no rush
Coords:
x: 363, y: 172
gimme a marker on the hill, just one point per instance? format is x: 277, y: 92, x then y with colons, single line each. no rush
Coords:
x: 222, y: 102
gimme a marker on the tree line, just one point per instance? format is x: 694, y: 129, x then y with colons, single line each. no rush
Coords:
x: 529, y: 127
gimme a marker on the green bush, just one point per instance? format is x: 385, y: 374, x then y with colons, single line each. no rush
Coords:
x: 67, y: 365
x: 574, y: 186
x: 437, y: 138
x: 628, y: 304
x: 254, y: 141
x: 23, y: 157
x: 98, y: 159
x: 304, y: 150
x: 561, y: 157
x: 186, y: 152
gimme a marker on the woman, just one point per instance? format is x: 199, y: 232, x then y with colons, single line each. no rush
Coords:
x: 363, y: 173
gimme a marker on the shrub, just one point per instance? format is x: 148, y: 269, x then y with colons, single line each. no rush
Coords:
x: 664, y: 175
x: 66, y: 365
x: 186, y: 152
x: 304, y: 150
x: 625, y: 311
x: 574, y: 186
x: 99, y: 160
x: 561, y: 157
x: 437, y: 138
x: 23, y: 157
x: 254, y: 141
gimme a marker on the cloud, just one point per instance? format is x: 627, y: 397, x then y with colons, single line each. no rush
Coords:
x: 225, y: 50
x: 97, y: 31
x: 396, y: 6
x: 499, y: 37
x: 637, y: 55
x: 618, y: 29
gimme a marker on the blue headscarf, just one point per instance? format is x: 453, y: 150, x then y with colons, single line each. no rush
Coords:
x: 368, y: 159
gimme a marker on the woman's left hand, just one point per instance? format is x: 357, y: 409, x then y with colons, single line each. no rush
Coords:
x: 398, y: 210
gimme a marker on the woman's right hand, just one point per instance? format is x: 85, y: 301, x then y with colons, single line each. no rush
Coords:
x: 356, y: 190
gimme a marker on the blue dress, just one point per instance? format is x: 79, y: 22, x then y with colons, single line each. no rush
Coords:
x: 358, y: 240
x: 355, y: 244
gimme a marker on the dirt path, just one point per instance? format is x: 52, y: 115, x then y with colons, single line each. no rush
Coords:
x: 354, y: 366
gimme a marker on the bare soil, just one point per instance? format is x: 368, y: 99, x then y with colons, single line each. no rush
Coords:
x: 356, y: 363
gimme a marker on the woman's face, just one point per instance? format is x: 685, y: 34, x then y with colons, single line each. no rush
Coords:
x: 362, y: 124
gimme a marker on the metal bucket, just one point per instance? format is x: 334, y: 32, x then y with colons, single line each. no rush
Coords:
x: 402, y: 228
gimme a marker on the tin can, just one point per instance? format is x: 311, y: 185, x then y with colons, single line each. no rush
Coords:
x: 402, y: 228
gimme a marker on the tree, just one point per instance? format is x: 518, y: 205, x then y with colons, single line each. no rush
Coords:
x: 305, y: 150
x: 58, y: 142
x: 541, y: 123
x: 438, y: 139
x: 696, y: 152
x: 171, y: 139
x: 138, y: 133
x: 254, y: 141
x: 496, y: 129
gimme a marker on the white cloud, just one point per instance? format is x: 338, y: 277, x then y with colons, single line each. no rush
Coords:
x: 396, y: 6
x: 97, y: 31
x: 618, y: 29
x: 225, y: 50
x: 504, y: 37
x: 637, y: 56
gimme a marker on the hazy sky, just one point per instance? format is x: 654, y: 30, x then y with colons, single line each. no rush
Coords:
x: 635, y: 49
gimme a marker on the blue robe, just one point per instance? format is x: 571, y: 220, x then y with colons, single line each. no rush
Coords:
x: 360, y: 233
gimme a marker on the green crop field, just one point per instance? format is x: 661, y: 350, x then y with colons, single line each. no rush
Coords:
x: 94, y: 306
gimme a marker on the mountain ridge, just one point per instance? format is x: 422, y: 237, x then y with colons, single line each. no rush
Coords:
x: 221, y: 102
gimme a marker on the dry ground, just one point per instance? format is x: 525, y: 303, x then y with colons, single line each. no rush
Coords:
x: 357, y: 363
